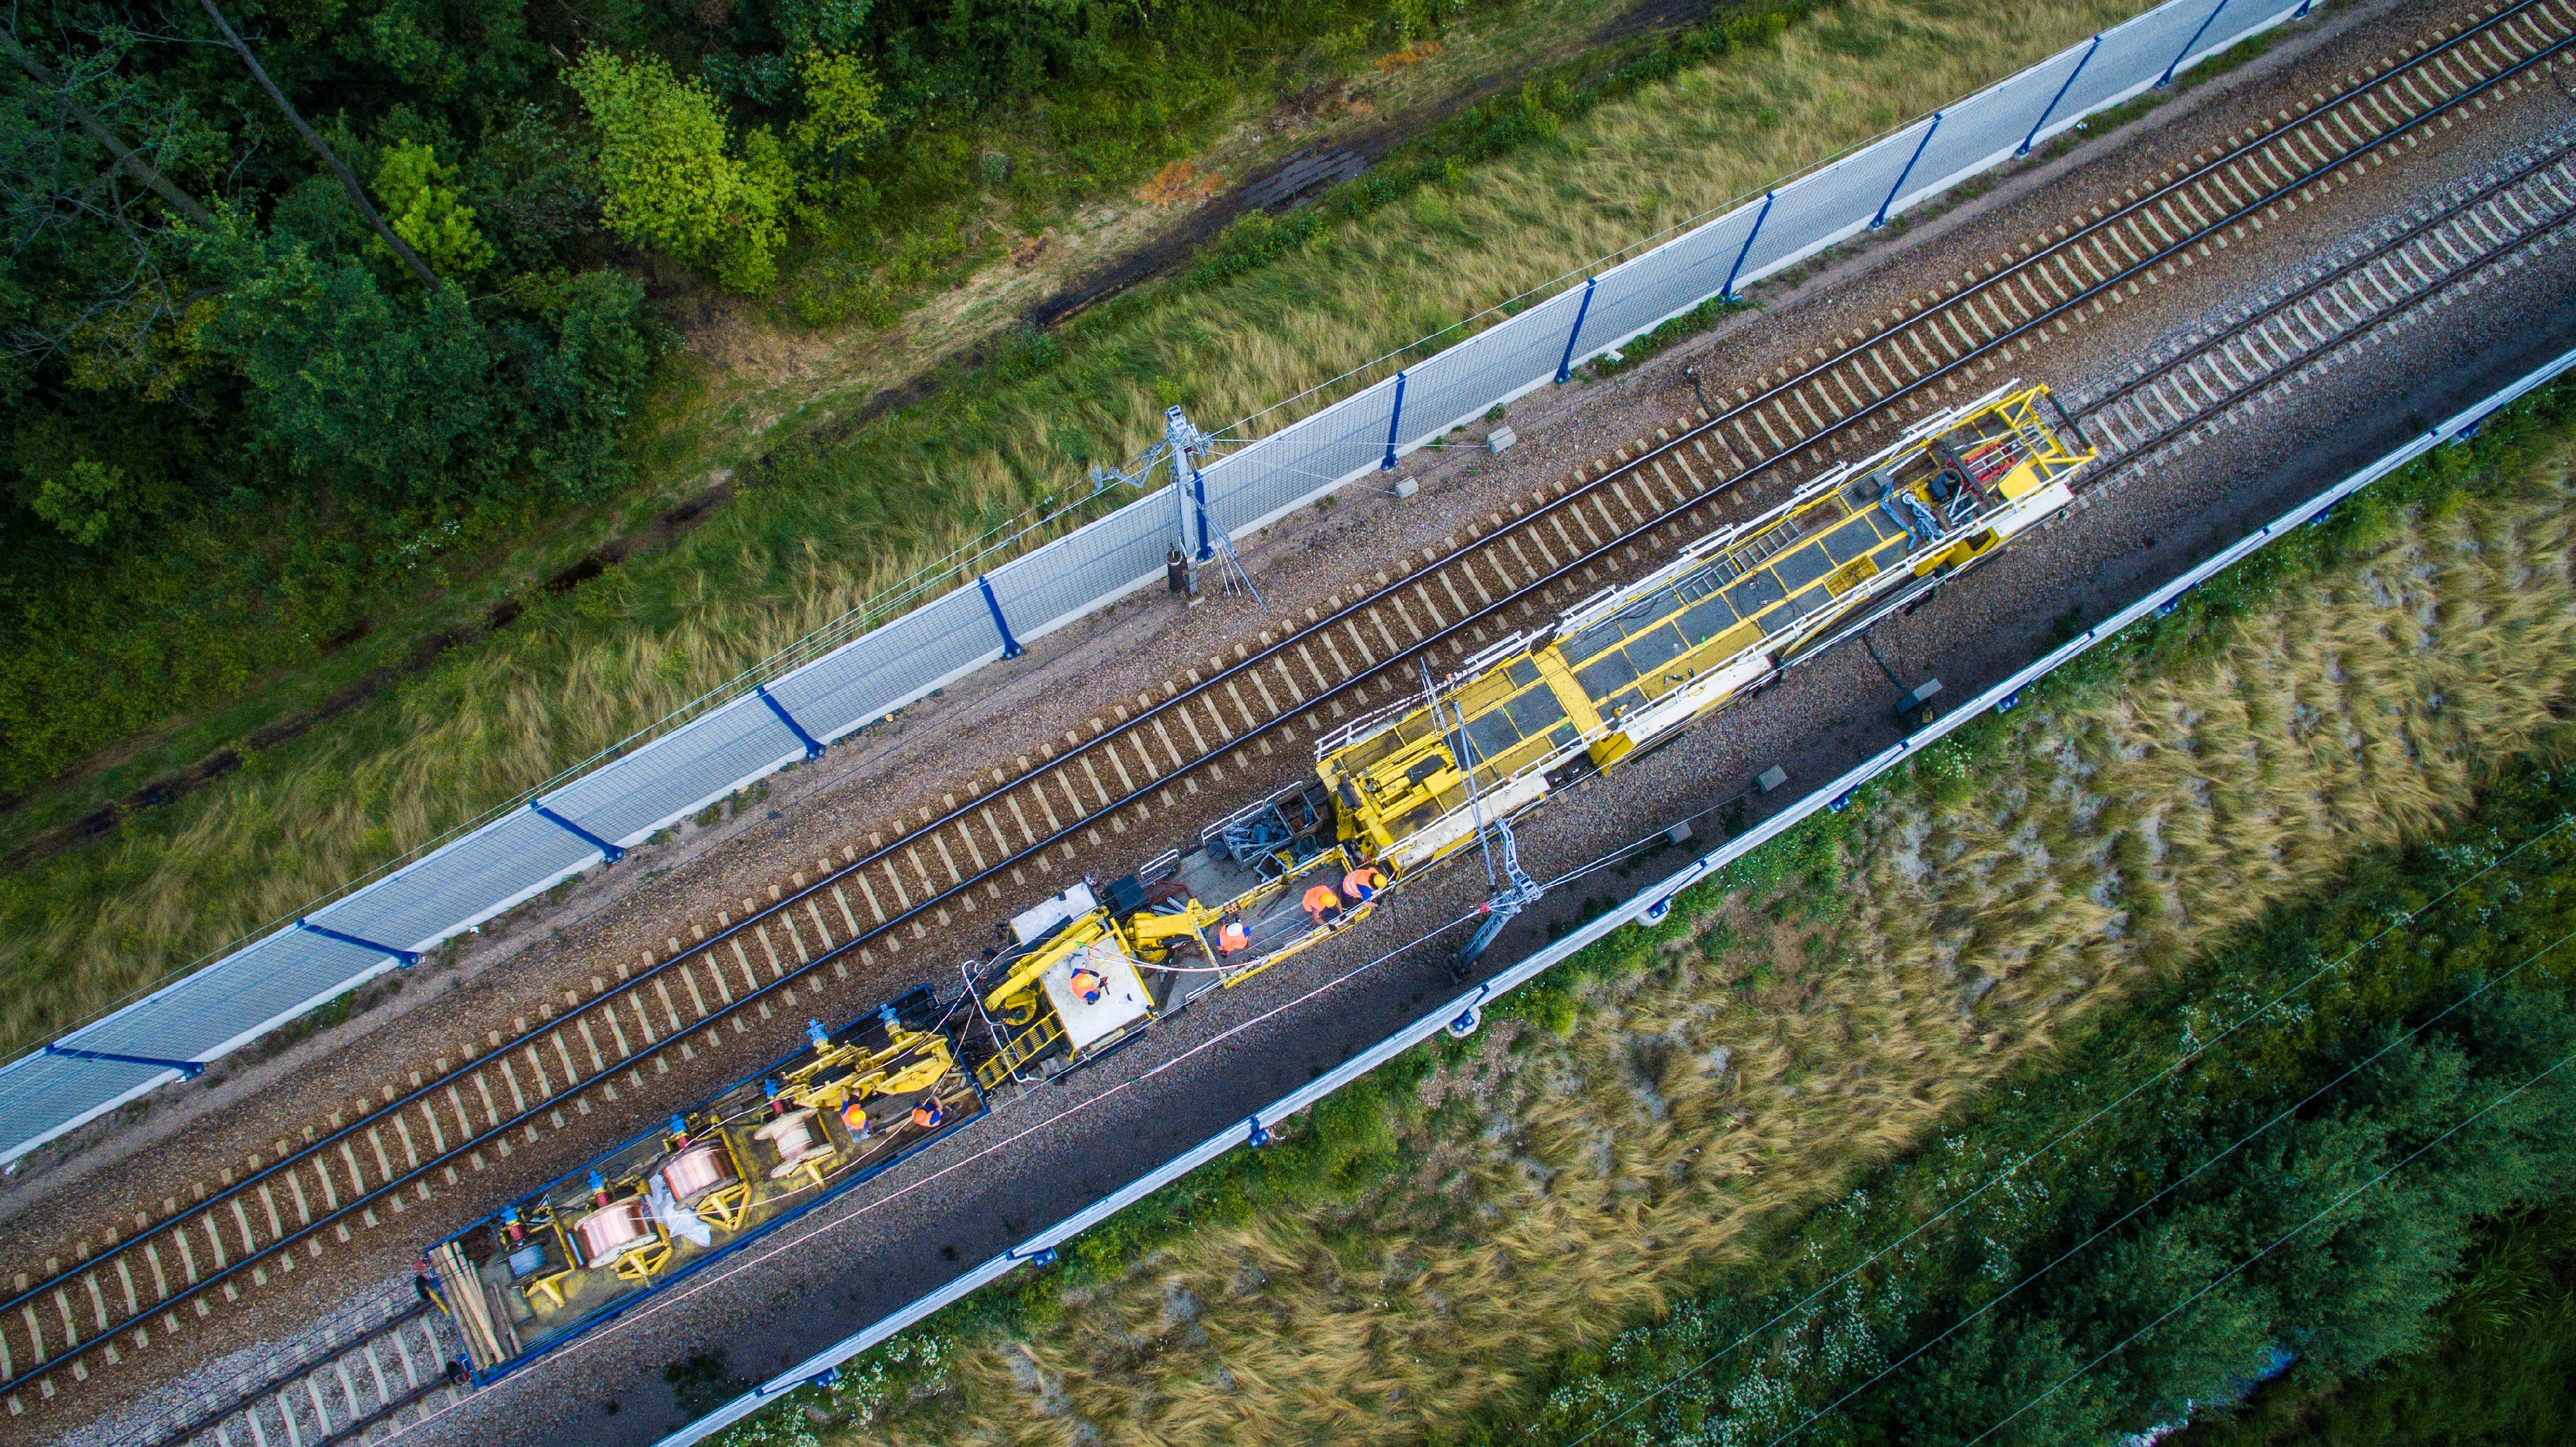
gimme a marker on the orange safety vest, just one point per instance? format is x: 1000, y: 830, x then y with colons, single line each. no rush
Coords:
x: 1321, y: 898
x: 1233, y: 939
x: 1360, y: 883
x: 1087, y: 985
x: 855, y: 1119
x: 927, y: 1114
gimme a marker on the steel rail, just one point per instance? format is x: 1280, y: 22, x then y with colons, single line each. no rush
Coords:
x: 2287, y: 370
x: 2487, y: 193
x: 279, y: 1381
x: 788, y: 978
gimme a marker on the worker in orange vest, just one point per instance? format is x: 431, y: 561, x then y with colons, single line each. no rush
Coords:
x: 1231, y: 937
x: 1088, y: 986
x: 1323, y: 906
x: 1363, y: 883
x: 929, y: 1114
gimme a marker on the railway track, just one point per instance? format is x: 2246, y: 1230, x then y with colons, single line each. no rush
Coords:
x: 2390, y: 279
x: 385, y: 1361
x: 456, y: 1118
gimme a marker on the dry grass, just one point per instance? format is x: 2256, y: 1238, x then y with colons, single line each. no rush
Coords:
x: 1564, y: 1189
x: 91, y: 925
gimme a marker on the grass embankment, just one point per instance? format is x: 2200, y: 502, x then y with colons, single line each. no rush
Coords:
x: 2276, y: 1163
x: 1400, y: 255
x: 1420, y: 1256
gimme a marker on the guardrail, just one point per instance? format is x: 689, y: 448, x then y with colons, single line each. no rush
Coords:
x: 2001, y: 697
x: 592, y: 819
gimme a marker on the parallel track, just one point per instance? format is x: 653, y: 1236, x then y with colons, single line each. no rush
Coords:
x: 366, y: 1374
x: 2389, y: 280
x: 1580, y: 534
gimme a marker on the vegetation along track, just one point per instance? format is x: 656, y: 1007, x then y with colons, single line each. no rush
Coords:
x: 1583, y: 532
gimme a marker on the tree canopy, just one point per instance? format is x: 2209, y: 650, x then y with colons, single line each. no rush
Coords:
x: 302, y: 293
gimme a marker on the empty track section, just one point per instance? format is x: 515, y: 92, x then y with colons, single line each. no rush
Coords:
x: 2431, y: 255
x: 380, y: 1368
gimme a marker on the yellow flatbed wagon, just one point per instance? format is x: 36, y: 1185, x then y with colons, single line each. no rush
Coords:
x: 610, y: 1235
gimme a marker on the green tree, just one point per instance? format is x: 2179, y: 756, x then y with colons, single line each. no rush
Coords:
x: 344, y: 383
x: 671, y: 183
x: 427, y: 208
x: 86, y: 501
x: 842, y: 100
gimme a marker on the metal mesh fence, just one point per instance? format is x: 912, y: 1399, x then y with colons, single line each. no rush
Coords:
x: 889, y: 667
x: 284, y: 974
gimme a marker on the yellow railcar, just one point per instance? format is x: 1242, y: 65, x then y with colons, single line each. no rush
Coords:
x: 1089, y: 970
x: 1629, y: 667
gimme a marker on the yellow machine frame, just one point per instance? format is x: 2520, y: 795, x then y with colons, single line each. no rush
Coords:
x: 1633, y: 664
x: 777, y: 1141
x: 1160, y: 934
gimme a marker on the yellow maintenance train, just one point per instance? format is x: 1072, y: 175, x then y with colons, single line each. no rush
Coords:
x: 1621, y: 672
x: 1087, y: 971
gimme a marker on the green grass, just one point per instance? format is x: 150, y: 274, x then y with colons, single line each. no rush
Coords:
x: 2105, y: 1259
x: 829, y: 517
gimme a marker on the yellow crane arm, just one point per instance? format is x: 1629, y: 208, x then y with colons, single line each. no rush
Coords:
x: 1024, y: 975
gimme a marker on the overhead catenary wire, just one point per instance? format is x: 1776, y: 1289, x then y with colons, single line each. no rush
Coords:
x: 2284, y: 1239
x: 2054, y: 1142
x: 2167, y: 1190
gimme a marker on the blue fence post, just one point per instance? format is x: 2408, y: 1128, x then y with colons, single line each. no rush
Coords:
x: 1898, y: 189
x: 409, y: 958
x: 607, y: 851
x: 1010, y: 645
x: 188, y: 1068
x: 1198, y: 492
x: 2033, y: 138
x: 1394, y: 420
x: 2211, y: 19
x: 813, y: 747
x: 1565, y: 364
x: 1727, y: 292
